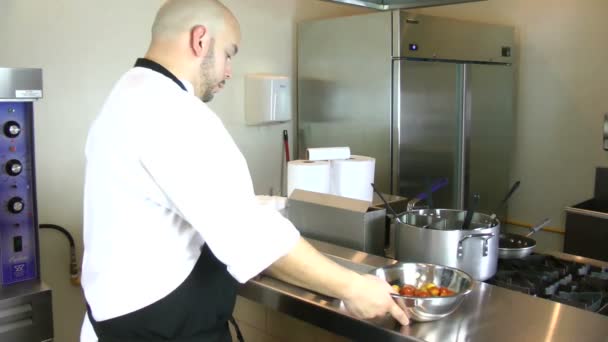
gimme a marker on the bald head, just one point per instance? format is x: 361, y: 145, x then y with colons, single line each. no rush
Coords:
x: 178, y: 16
x: 196, y: 40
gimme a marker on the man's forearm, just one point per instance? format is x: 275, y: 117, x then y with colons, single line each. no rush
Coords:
x: 364, y: 296
x: 306, y: 267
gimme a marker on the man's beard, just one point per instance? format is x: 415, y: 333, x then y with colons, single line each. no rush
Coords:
x: 208, y: 81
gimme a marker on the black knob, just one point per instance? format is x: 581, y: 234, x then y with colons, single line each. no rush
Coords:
x: 13, y: 167
x: 16, y: 205
x: 12, y: 129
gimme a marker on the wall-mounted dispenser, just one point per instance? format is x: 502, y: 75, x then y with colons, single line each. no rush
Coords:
x: 267, y: 99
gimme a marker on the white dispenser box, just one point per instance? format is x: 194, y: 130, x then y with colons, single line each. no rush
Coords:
x: 267, y: 99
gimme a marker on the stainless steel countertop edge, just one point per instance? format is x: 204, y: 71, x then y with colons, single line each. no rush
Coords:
x: 325, y: 317
x: 489, y: 312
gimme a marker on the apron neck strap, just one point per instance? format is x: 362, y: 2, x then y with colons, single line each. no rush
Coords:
x: 152, y: 65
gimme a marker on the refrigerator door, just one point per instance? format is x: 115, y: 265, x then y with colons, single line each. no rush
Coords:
x: 489, y: 113
x: 427, y: 123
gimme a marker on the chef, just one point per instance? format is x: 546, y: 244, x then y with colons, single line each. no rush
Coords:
x: 171, y: 222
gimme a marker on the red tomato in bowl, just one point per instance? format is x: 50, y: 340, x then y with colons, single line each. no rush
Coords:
x: 407, y: 290
x: 445, y: 292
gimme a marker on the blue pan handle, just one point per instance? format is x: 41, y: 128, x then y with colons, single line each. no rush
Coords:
x: 434, y: 187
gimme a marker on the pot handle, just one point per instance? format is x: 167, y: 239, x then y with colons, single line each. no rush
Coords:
x: 484, y: 237
x: 425, y: 195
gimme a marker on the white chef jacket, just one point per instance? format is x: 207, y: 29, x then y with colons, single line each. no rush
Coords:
x: 164, y: 177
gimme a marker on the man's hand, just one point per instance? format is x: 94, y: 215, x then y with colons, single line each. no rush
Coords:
x: 369, y: 297
x: 366, y: 296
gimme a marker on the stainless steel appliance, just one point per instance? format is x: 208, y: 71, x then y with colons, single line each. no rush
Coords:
x: 436, y: 236
x: 563, y: 278
x: 587, y: 222
x: 19, y: 218
x: 384, y: 5
x: 427, y: 97
x: 25, y: 302
x: 343, y: 221
x: 26, y: 312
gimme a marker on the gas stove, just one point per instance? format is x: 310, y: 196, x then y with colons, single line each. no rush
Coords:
x: 583, y: 285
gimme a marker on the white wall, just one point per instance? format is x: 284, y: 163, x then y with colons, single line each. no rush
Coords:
x: 562, y: 97
x: 83, y: 47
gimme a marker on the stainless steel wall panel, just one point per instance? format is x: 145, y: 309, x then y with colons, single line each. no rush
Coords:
x: 490, y: 102
x: 344, y: 87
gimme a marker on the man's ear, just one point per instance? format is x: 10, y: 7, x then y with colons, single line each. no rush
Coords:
x: 200, y: 41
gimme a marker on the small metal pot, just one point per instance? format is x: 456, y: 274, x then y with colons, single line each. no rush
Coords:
x: 435, y: 236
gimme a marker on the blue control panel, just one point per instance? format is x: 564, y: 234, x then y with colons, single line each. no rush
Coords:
x: 18, y: 212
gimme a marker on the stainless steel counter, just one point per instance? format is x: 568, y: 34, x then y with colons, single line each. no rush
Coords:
x: 489, y: 313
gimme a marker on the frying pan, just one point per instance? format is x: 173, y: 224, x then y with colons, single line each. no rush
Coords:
x: 515, y: 246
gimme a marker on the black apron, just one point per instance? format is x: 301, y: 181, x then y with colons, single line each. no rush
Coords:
x: 198, y: 310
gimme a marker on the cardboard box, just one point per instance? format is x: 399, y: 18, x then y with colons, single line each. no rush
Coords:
x: 398, y: 203
x: 339, y: 220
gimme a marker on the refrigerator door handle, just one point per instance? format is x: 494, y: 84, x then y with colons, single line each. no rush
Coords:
x: 395, y: 127
x: 465, y: 136
x: 606, y: 132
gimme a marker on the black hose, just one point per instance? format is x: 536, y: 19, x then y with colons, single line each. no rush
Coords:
x: 73, y: 262
x: 61, y: 229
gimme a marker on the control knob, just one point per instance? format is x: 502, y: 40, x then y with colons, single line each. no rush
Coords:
x: 16, y: 205
x: 14, y: 167
x: 12, y: 129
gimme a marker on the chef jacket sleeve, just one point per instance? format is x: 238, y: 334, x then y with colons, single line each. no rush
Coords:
x: 195, y: 162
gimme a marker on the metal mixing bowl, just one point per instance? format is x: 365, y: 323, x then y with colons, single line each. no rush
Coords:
x: 417, y: 274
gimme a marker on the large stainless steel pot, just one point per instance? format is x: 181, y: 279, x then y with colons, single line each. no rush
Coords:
x: 435, y: 236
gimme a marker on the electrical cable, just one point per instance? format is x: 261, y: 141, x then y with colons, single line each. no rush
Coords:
x: 74, y: 270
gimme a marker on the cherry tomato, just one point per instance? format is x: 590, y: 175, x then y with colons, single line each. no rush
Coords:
x: 429, y: 286
x: 434, y: 292
x: 445, y: 292
x: 413, y: 288
x: 421, y: 294
x: 407, y: 290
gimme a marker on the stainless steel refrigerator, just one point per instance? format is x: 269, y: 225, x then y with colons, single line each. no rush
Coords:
x: 428, y: 97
